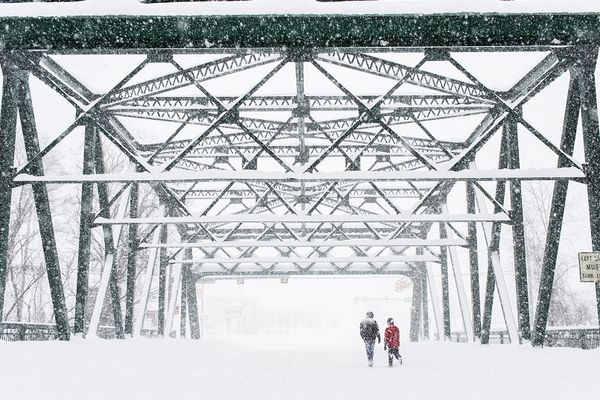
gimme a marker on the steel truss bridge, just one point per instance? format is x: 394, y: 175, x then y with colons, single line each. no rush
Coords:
x: 299, y: 167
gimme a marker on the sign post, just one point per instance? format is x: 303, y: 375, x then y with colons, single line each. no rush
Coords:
x: 589, y: 266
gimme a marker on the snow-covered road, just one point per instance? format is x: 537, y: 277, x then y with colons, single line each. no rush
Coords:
x: 290, y: 368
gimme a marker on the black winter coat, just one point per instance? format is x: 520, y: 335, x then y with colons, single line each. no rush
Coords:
x: 369, y: 330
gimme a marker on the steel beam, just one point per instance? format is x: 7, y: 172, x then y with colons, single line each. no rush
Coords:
x: 445, y: 286
x: 132, y: 245
x: 147, y: 281
x: 587, y: 57
x: 222, y: 33
x: 473, y: 263
x: 183, y: 307
x: 557, y: 208
x: 8, y: 123
x: 518, y: 231
x: 192, y: 300
x: 495, y: 274
x: 295, y: 219
x: 416, y: 307
x: 346, y: 176
x: 305, y: 260
x: 313, y: 243
x: 385, y: 68
x: 459, y: 284
x: 44, y: 213
x: 162, y: 280
x: 85, y: 231
x: 424, y: 303
x: 109, y: 277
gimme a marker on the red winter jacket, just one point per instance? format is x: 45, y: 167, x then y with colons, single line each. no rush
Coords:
x: 392, y: 336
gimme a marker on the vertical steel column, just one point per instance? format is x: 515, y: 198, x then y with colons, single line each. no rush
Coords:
x: 557, y: 210
x: 488, y: 303
x: 8, y: 124
x: 42, y: 206
x: 445, y: 286
x: 415, y: 307
x: 183, y: 306
x: 424, y: 305
x: 162, y: 280
x: 131, y: 259
x: 473, y: 262
x: 301, y: 112
x: 461, y: 293
x: 192, y: 301
x: 85, y: 231
x: 109, y: 244
x: 173, y: 294
x: 147, y: 280
x: 518, y: 230
x: 493, y: 247
x: 587, y: 57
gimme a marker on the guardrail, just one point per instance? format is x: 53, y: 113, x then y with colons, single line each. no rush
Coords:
x: 582, y: 338
x: 496, y: 337
x: 18, y: 331
x: 586, y: 338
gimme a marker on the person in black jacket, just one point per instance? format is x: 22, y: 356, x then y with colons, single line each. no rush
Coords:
x: 369, y: 331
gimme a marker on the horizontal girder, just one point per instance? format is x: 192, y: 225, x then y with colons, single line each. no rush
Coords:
x: 324, y: 233
x: 290, y: 103
x: 398, y: 117
x: 283, y: 266
x: 247, y: 194
x: 345, y: 176
x: 213, y: 33
x: 383, y: 142
x: 313, y: 243
x: 307, y: 219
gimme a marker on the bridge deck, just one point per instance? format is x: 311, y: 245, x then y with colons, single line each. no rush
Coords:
x: 291, y: 368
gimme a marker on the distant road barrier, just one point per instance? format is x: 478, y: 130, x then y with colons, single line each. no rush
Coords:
x: 582, y: 338
x: 587, y: 338
x: 17, y: 331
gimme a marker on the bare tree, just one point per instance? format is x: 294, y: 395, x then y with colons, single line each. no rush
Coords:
x: 567, y: 307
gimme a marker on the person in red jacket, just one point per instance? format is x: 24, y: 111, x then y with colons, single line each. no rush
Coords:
x: 391, y: 342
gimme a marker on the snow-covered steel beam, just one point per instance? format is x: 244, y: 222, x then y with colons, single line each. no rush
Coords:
x: 200, y: 73
x: 394, y: 115
x: 388, y: 69
x: 290, y: 103
x: 206, y: 32
x: 397, y: 269
x: 314, y: 243
x: 383, y: 140
x: 309, y: 260
x: 315, y: 219
x: 290, y: 150
x: 247, y: 194
x: 346, y: 176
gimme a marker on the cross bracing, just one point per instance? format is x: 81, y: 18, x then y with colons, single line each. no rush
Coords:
x: 325, y: 159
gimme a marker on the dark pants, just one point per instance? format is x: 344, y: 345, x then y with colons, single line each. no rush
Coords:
x: 393, y: 352
x: 370, y: 347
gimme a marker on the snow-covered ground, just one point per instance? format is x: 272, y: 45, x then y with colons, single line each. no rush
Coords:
x: 288, y: 367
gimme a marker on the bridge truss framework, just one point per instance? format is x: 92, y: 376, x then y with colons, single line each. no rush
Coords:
x: 262, y: 184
